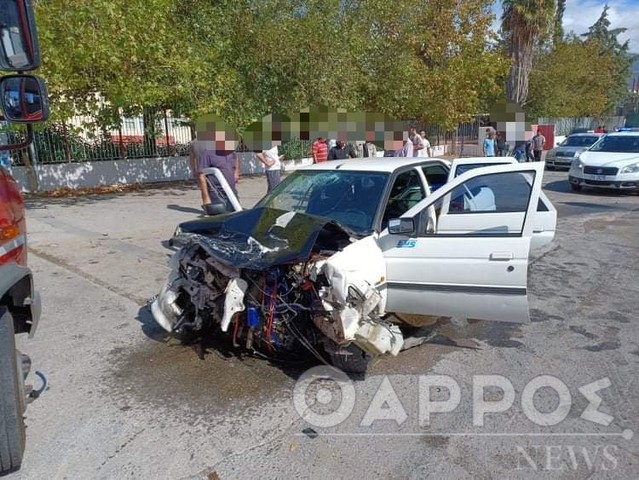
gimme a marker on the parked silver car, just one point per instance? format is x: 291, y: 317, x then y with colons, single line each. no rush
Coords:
x: 563, y: 155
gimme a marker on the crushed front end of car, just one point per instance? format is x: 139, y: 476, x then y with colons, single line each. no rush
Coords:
x: 274, y: 282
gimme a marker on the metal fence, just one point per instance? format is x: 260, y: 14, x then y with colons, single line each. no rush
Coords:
x: 563, y: 126
x: 80, y: 139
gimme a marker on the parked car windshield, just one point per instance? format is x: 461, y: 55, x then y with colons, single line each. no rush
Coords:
x: 350, y: 198
x: 579, y: 141
x: 617, y: 143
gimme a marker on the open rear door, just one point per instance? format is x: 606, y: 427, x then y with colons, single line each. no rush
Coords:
x: 545, y: 215
x: 471, y: 260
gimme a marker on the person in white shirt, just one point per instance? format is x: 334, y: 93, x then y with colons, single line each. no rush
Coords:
x: 272, y: 161
x: 417, y: 141
x: 427, y: 151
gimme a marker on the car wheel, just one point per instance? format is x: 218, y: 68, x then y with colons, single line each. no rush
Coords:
x: 575, y: 188
x: 12, y: 400
x: 350, y: 359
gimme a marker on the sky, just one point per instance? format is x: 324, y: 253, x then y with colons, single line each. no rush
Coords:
x: 581, y: 14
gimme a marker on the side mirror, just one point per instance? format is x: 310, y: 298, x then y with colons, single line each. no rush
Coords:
x: 403, y: 226
x: 23, y: 99
x: 19, y: 49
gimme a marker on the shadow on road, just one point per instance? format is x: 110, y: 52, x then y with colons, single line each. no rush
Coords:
x: 562, y: 186
x: 180, y: 208
x: 150, y: 328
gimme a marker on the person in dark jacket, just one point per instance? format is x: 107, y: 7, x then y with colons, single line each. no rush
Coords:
x: 342, y: 151
x: 500, y: 145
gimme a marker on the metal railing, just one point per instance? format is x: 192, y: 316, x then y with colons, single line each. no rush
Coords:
x: 80, y: 140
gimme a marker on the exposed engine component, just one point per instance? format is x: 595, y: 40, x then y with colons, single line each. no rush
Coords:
x: 324, y: 304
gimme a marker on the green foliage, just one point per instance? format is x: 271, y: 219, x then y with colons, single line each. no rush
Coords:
x: 243, y: 59
x: 563, y: 82
x: 606, y: 39
x: 296, y: 149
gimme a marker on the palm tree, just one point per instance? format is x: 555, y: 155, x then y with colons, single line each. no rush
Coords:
x: 524, y: 24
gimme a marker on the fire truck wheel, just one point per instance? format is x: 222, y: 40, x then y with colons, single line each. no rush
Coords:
x: 12, y: 400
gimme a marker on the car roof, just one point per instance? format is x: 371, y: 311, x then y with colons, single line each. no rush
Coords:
x: 587, y: 134
x: 376, y: 164
x: 628, y: 133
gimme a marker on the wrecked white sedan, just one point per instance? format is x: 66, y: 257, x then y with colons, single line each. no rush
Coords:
x: 332, y: 259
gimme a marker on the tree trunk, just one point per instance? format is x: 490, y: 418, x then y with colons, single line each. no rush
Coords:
x: 150, y: 131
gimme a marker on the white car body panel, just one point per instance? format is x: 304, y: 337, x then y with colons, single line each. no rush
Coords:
x: 605, y: 169
x: 545, y: 218
x: 467, y: 275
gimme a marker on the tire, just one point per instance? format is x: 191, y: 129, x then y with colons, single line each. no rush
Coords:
x: 12, y: 400
x: 575, y: 188
x: 351, y: 358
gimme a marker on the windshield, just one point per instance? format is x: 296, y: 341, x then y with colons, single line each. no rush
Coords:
x: 617, y: 143
x: 350, y: 198
x: 580, y: 141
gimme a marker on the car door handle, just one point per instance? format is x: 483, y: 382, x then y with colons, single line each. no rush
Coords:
x: 538, y: 230
x: 501, y: 256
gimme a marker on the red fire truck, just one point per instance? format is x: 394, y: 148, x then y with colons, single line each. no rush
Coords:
x: 23, y: 101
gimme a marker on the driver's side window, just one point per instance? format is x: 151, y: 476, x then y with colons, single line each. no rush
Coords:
x: 407, y: 191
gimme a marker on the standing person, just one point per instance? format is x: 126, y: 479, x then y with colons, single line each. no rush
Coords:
x: 418, y: 142
x: 341, y: 151
x: 406, y: 150
x: 215, y: 154
x: 500, y: 144
x: 319, y: 150
x: 427, y: 151
x: 489, y: 143
x: 272, y: 160
x: 538, y: 143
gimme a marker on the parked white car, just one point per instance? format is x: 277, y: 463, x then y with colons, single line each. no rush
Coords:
x: 612, y: 162
x: 334, y: 256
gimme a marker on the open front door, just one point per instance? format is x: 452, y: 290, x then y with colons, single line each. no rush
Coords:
x: 470, y: 259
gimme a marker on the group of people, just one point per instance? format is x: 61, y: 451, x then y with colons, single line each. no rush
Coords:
x: 495, y: 145
x: 417, y: 145
x: 217, y: 154
x: 323, y: 150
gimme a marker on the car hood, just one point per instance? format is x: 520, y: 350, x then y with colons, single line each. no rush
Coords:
x: 567, y: 151
x: 260, y: 238
x: 608, y: 159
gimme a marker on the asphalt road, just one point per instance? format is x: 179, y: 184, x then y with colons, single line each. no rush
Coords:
x: 125, y: 402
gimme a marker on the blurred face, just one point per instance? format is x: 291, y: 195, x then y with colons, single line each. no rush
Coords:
x: 422, y: 133
x: 412, y: 131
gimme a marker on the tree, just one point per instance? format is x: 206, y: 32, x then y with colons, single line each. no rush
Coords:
x: 525, y: 23
x: 560, y: 86
x: 558, y: 30
x: 441, y: 64
x: 609, y: 46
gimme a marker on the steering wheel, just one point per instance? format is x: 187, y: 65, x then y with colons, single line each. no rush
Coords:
x: 352, y: 211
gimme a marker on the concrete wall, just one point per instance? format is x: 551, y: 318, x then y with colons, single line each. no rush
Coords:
x: 141, y: 170
x: 144, y: 170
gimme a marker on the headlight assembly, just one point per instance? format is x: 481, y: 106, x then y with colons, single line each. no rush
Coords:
x: 633, y: 168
